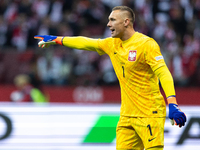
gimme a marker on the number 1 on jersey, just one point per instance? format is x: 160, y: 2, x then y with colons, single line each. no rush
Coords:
x: 148, y: 126
x: 123, y: 71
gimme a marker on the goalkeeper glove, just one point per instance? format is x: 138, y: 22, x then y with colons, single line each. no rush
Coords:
x: 47, y: 40
x: 175, y: 114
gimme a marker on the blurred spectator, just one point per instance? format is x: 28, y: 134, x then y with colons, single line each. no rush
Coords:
x: 25, y: 91
x: 53, y: 67
x: 41, y: 8
x: 178, y: 20
x: 3, y: 31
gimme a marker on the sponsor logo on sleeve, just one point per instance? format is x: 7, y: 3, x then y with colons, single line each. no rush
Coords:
x: 159, y: 58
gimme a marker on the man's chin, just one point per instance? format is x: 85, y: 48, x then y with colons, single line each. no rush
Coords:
x: 113, y: 36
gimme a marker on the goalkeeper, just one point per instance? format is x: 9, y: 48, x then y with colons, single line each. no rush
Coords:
x: 138, y: 64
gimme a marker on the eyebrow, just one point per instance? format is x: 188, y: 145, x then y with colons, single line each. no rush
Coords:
x: 111, y: 18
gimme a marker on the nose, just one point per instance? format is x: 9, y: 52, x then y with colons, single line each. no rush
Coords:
x: 108, y: 24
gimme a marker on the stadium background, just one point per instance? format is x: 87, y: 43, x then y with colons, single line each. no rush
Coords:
x: 82, y: 87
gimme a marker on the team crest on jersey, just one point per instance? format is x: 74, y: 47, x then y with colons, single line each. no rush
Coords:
x: 132, y: 55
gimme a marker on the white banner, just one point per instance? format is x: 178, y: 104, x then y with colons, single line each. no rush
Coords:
x: 80, y: 127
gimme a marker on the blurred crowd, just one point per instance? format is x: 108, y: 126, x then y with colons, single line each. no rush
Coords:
x: 174, y: 24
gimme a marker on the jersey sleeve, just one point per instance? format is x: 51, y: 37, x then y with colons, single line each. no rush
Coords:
x: 82, y: 43
x: 101, y: 46
x: 153, y: 55
x: 105, y: 46
x: 166, y: 80
x: 155, y: 59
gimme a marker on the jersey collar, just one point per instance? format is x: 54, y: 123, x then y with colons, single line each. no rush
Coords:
x: 130, y: 39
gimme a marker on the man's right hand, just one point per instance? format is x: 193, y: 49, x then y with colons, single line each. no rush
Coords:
x: 47, y: 40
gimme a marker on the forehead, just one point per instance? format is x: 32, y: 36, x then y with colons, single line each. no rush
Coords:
x: 115, y: 14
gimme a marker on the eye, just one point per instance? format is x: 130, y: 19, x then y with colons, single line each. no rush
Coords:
x: 111, y: 19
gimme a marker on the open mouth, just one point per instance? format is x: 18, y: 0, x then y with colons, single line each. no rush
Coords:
x: 112, y: 30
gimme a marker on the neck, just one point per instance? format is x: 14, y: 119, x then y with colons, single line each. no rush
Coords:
x: 127, y: 34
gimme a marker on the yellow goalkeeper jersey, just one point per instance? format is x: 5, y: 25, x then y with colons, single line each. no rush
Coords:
x: 134, y: 61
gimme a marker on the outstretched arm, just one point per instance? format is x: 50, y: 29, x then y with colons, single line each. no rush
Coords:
x: 78, y: 42
x: 168, y: 86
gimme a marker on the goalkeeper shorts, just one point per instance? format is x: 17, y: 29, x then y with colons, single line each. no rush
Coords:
x: 139, y: 133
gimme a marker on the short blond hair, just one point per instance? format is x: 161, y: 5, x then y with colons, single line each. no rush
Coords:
x: 128, y: 9
x: 21, y: 79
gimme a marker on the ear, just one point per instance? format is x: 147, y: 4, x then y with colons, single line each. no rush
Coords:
x: 126, y: 22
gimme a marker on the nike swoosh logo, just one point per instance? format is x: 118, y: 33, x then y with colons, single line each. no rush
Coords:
x: 151, y: 139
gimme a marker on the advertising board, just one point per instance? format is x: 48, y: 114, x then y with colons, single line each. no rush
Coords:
x: 28, y: 126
